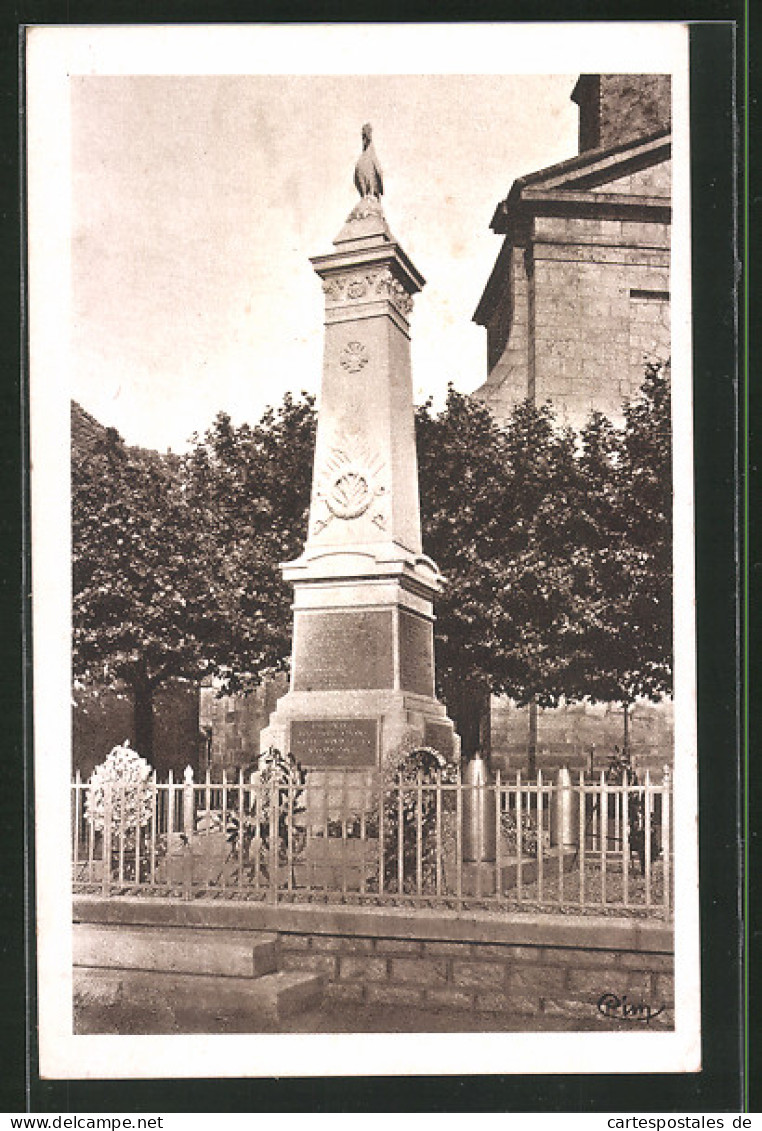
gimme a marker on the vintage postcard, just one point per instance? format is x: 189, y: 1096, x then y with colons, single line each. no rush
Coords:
x: 362, y: 546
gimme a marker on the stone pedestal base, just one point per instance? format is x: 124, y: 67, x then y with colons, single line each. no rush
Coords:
x: 478, y: 879
x: 337, y: 864
x: 362, y: 678
x: 481, y: 878
x: 357, y: 730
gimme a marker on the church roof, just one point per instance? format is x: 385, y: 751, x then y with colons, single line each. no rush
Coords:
x: 573, y: 180
x: 609, y: 182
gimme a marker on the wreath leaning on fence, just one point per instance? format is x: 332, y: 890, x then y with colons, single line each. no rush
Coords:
x: 410, y: 793
x: 121, y: 783
x: 278, y: 779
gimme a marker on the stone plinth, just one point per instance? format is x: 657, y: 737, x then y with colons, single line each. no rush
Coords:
x: 362, y: 677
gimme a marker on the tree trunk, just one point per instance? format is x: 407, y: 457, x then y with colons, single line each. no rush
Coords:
x: 468, y: 704
x: 532, y: 742
x: 467, y: 715
x: 626, y: 736
x: 142, y: 700
x: 485, y: 727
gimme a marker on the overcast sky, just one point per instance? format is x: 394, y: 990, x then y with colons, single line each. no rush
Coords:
x: 196, y: 202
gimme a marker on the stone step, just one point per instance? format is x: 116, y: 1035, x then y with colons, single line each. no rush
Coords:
x: 479, y: 879
x: 553, y: 861
x: 244, y: 954
x: 151, y: 1001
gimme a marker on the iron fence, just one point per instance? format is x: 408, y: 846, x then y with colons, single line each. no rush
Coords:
x: 348, y: 837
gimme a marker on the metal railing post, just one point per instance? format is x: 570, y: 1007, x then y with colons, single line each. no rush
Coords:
x: 564, y: 815
x: 666, y: 837
x: 273, y: 863
x: 106, y: 847
x: 188, y: 813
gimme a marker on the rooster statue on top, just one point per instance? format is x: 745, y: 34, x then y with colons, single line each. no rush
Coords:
x: 368, y: 177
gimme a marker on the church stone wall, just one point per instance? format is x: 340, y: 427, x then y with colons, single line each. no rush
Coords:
x: 633, y: 106
x: 580, y: 313
x: 233, y: 723
x: 565, y: 736
x: 619, y: 108
x: 508, y: 345
x: 600, y: 307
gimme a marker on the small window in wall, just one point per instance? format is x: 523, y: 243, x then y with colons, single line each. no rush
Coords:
x: 650, y: 296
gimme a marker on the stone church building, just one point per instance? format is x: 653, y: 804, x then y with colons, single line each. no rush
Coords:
x: 579, y: 294
x: 577, y: 302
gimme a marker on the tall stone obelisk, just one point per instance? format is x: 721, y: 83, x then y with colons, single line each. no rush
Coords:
x: 362, y: 672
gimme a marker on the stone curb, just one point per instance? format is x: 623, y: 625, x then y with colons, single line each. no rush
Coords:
x: 594, y: 933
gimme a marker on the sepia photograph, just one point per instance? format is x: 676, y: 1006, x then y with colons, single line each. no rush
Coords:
x: 362, y: 543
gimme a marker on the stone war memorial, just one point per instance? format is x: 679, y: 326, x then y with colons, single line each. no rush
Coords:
x: 361, y: 890
x: 362, y: 668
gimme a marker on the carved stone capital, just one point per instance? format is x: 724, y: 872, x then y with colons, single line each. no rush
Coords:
x: 392, y: 288
x: 367, y: 286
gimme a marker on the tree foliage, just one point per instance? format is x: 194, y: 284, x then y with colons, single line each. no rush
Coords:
x: 497, y: 519
x: 176, y: 562
x: 139, y: 589
x: 625, y: 641
x: 556, y: 550
x: 249, y: 489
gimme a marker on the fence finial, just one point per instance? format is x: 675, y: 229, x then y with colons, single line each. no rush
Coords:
x: 188, y: 775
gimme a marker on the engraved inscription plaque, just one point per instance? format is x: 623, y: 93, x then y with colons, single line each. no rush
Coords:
x: 416, y: 654
x: 343, y: 651
x: 325, y: 743
x: 440, y: 736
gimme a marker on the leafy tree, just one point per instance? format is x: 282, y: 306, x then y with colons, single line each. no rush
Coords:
x: 249, y: 489
x: 139, y: 596
x: 461, y: 461
x: 625, y: 641
x: 176, y: 562
x: 557, y: 554
x: 497, y: 519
